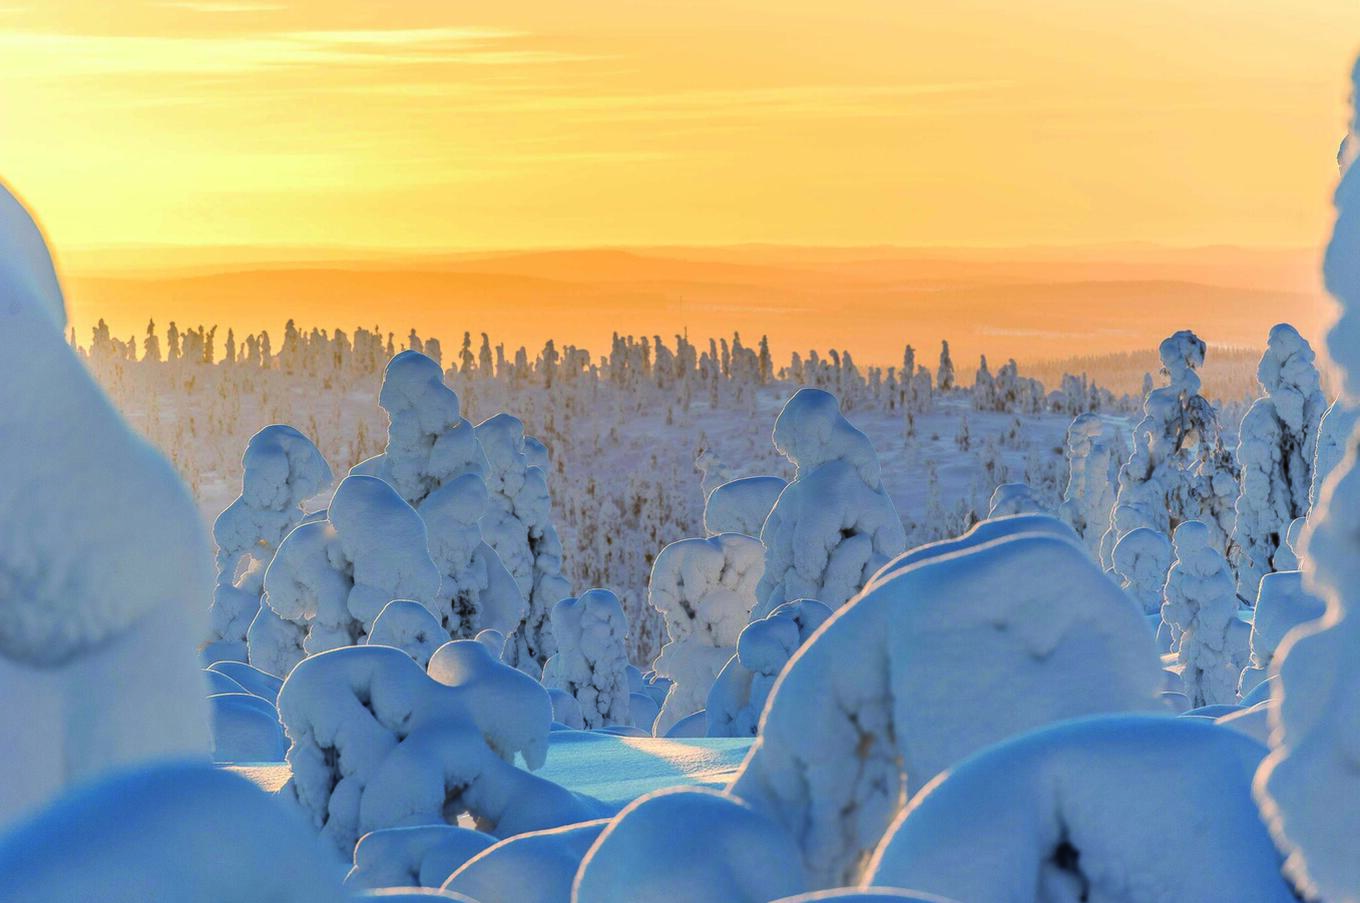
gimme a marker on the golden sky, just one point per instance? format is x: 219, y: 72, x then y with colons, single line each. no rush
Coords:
x: 529, y: 123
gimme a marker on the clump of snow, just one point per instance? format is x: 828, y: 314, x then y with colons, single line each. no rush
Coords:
x: 1282, y: 604
x: 189, y: 833
x: 376, y: 743
x: 330, y: 579
x: 705, y: 590
x: 765, y: 646
x: 252, y: 680
x: 1201, y: 608
x: 591, y: 660
x: 533, y: 867
x: 476, y: 591
x: 834, y: 525
x: 410, y: 627
x: 518, y: 525
x: 1141, y: 560
x: 1308, y: 785
x: 1278, y: 441
x: 1081, y: 811
x: 429, y: 443
x: 245, y: 728
x: 1013, y: 498
x: 1093, y: 468
x: 724, y: 851
x: 418, y: 856
x: 104, y: 564
x: 281, y: 469
x: 567, y: 711
x: 741, y: 506
x: 932, y: 663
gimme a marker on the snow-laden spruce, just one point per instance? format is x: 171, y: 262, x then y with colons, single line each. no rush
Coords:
x: 1093, y: 468
x: 689, y: 844
x: 281, y: 469
x: 518, y: 525
x: 476, y: 590
x: 932, y: 663
x: 418, y: 856
x: 330, y: 578
x: 1282, y: 603
x: 105, y: 567
x: 377, y: 743
x: 741, y: 506
x: 429, y: 442
x: 1201, y: 609
x: 1276, y: 449
x: 409, y: 626
x: 187, y: 833
x: 1310, y: 782
x: 1140, y: 561
x: 742, y: 688
x: 705, y: 590
x: 1095, y: 809
x: 591, y: 662
x: 834, y: 525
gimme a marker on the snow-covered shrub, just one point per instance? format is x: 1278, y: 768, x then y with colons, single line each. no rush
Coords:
x: 418, y: 856
x: 1092, y: 466
x: 188, y: 833
x: 1013, y: 498
x: 1082, y: 811
x: 1278, y: 441
x: 1308, y: 785
x: 330, y: 578
x: 1140, y: 560
x: 281, y: 469
x: 533, y: 867
x: 741, y: 506
x: 591, y: 660
x: 727, y: 852
x: 410, y: 627
x: 1282, y: 603
x: 1201, y: 607
x: 105, y: 567
x: 738, y: 695
x: 476, y: 590
x: 377, y: 743
x: 518, y: 525
x: 834, y: 525
x: 705, y: 589
x: 931, y: 663
x: 429, y: 443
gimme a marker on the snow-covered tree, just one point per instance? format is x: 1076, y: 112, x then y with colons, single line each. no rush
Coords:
x: 1282, y: 603
x: 105, y: 566
x: 705, y: 590
x: 1334, y: 439
x: 281, y: 469
x: 591, y: 661
x: 1092, y: 471
x: 1309, y: 783
x: 518, y: 525
x: 834, y: 525
x: 330, y: 578
x: 1201, y: 607
x: 944, y: 374
x: 1013, y: 498
x: 1141, y: 560
x: 410, y: 627
x: 1276, y: 452
x: 741, y: 506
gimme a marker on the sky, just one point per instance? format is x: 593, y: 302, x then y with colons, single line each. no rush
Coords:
x: 543, y: 123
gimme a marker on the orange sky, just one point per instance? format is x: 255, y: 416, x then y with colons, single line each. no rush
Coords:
x: 549, y: 123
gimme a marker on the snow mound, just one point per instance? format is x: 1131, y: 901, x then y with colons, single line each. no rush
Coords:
x: 865, y: 895
x: 982, y: 532
x: 834, y: 525
x: 535, y: 867
x: 410, y: 627
x: 245, y: 728
x: 705, y: 590
x: 741, y: 506
x: 591, y: 660
x: 1081, y: 811
x: 183, y: 832
x: 418, y: 856
x: 105, y: 567
x: 690, y: 844
x: 929, y: 665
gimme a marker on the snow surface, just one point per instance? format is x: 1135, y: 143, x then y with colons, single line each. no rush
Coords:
x: 418, y: 856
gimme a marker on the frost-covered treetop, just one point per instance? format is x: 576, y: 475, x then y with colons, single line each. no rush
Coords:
x: 1182, y: 354
x: 282, y: 469
x: 810, y: 432
x: 1288, y: 372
